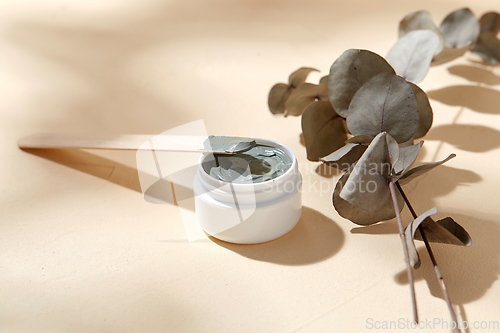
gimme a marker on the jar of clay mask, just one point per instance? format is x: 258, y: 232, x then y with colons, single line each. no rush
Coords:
x: 249, y: 197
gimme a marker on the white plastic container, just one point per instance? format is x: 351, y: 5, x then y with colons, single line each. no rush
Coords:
x: 249, y: 213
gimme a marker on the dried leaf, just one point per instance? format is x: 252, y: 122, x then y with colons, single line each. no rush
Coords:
x: 410, y: 231
x: 367, y: 186
x: 407, y: 156
x: 421, y: 169
x: 444, y: 231
x: 460, y: 28
x: 344, y: 157
x: 359, y: 216
x: 299, y: 76
x: 324, y: 80
x: 490, y: 22
x: 277, y: 97
x: 303, y: 96
x: 411, y: 56
x: 349, y: 72
x: 385, y: 103
x: 455, y: 234
x: 425, y: 115
x: 420, y: 20
x: 449, y: 54
x: 360, y: 139
x: 324, y: 130
x: 488, y: 48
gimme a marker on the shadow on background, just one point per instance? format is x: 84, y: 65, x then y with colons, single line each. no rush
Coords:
x: 474, y: 138
x: 314, y: 238
x: 91, y: 164
x: 475, y: 74
x: 468, y: 272
x: 480, y: 99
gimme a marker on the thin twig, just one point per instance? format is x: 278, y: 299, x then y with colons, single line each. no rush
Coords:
x: 433, y: 259
x: 405, y: 250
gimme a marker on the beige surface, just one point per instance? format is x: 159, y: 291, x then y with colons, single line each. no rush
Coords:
x: 81, y: 251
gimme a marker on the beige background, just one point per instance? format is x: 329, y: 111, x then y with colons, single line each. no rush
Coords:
x: 81, y: 251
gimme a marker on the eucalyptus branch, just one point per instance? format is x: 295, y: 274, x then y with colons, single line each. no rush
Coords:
x: 433, y: 259
x: 405, y: 249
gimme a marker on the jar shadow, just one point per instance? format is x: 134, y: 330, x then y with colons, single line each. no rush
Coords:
x: 315, y: 238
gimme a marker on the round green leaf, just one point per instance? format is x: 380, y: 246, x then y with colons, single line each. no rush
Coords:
x: 367, y: 186
x: 303, y: 96
x: 411, y: 56
x: 299, y: 76
x: 349, y: 72
x: 344, y: 157
x: 385, y: 103
x: 420, y: 20
x: 425, y: 115
x: 324, y: 131
x: 356, y: 214
x: 490, y: 22
x: 460, y: 28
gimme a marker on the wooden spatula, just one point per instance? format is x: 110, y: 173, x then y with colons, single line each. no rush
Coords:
x: 176, y: 143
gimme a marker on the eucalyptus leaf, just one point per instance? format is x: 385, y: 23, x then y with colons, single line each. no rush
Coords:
x: 324, y: 80
x: 490, y: 22
x: 344, y: 157
x: 421, y: 169
x: 360, y: 139
x: 347, y: 74
x: 324, y: 130
x: 445, y: 231
x: 277, y: 98
x: 449, y: 54
x: 410, y: 231
x: 407, y: 156
x: 411, y: 56
x: 488, y: 48
x: 425, y: 115
x: 300, y: 76
x: 420, y: 20
x: 367, y: 186
x: 303, y: 96
x: 385, y: 103
x: 460, y: 28
x: 359, y: 216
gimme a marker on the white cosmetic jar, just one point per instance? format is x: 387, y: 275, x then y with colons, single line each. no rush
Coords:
x: 248, y: 213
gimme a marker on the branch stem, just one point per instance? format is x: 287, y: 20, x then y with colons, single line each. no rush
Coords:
x: 405, y: 250
x: 433, y: 259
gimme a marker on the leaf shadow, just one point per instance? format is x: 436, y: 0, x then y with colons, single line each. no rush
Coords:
x: 476, y: 98
x: 474, y: 138
x: 467, y: 271
x: 327, y: 171
x: 475, y: 74
x: 315, y: 238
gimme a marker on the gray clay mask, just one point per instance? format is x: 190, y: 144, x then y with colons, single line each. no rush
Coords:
x: 259, y: 164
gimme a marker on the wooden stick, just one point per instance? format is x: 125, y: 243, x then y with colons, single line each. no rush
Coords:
x: 405, y: 250
x: 175, y: 143
x: 433, y: 259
